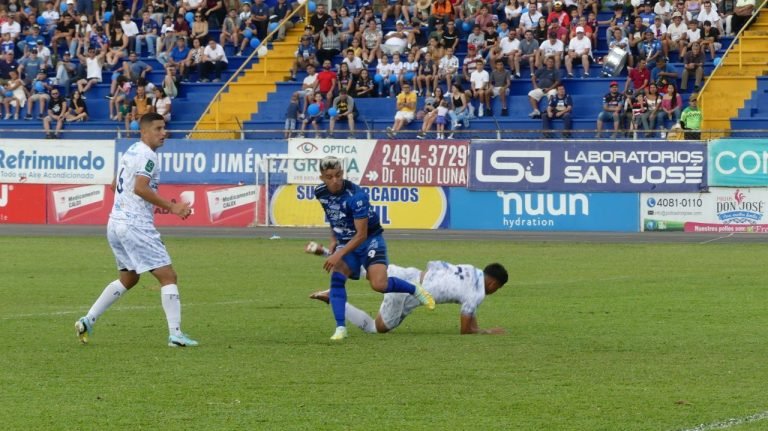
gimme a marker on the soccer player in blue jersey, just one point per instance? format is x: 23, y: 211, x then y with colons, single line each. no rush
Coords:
x: 356, y: 241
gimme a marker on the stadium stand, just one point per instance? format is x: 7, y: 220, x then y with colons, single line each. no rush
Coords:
x: 259, y: 92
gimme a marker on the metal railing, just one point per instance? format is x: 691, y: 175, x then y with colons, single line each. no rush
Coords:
x: 247, y: 63
x: 378, y: 132
x: 734, y: 46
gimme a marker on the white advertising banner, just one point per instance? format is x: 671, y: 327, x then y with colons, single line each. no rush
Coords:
x: 224, y: 203
x: 77, y: 198
x: 305, y: 154
x: 37, y: 161
x: 721, y: 210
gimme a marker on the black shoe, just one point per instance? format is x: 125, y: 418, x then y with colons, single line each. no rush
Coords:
x: 504, y: 112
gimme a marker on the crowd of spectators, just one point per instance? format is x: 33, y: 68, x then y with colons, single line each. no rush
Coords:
x: 414, y: 58
x: 55, y: 52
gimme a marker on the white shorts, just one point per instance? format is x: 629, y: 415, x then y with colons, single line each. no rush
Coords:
x: 538, y: 93
x: 497, y: 91
x: 137, y: 248
x: 405, y: 115
x: 396, y: 306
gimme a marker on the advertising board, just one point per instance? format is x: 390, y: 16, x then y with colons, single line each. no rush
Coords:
x: 523, y: 211
x: 22, y: 203
x: 382, y: 162
x: 550, y: 166
x: 37, y: 161
x: 191, y: 161
x: 722, y: 210
x: 397, y: 207
x: 738, y: 162
x: 231, y: 206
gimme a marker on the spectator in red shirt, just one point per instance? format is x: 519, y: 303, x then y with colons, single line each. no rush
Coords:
x: 180, y: 26
x: 326, y: 80
x: 640, y: 77
x: 560, y: 15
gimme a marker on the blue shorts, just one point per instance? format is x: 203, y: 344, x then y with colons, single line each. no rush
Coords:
x: 607, y: 116
x: 372, y: 251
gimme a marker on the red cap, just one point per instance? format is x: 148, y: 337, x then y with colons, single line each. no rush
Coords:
x: 614, y: 83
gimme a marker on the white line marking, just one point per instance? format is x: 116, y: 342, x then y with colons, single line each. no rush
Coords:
x: 732, y: 422
x: 717, y: 239
x: 124, y: 308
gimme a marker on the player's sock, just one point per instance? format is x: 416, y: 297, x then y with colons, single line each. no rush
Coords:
x: 169, y: 296
x: 338, y: 297
x: 360, y: 318
x: 109, y: 296
x: 395, y: 284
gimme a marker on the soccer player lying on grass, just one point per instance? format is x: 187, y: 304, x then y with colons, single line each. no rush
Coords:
x: 448, y: 283
x: 357, y: 240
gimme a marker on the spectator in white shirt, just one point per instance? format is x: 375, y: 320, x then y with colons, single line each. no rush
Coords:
x: 664, y: 10
x: 675, y: 39
x: 510, y: 47
x: 552, y: 48
x: 692, y: 35
x: 447, y: 69
x: 11, y: 27
x: 578, y: 47
x: 354, y: 63
x: 480, y: 80
x: 530, y: 19
x: 214, y: 60
x: 130, y: 29
x: 709, y: 13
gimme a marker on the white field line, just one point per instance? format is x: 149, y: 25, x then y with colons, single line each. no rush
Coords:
x: 729, y: 423
x: 717, y: 239
x: 118, y: 308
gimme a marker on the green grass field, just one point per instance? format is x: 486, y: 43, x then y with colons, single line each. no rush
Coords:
x: 599, y: 337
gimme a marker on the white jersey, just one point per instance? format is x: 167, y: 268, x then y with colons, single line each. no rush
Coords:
x: 130, y: 208
x: 448, y: 283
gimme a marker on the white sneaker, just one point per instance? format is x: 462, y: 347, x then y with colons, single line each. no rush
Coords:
x: 182, y: 340
x: 340, y: 334
x: 481, y: 111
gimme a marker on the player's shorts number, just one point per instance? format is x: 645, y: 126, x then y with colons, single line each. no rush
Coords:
x: 371, y: 254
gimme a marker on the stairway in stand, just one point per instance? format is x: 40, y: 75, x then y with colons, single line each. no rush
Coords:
x: 240, y: 99
x: 733, y: 82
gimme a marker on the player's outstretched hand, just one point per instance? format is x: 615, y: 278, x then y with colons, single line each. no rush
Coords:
x: 330, y: 263
x: 181, y: 209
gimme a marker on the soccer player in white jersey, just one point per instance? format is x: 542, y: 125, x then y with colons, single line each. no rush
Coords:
x: 131, y: 233
x: 448, y: 283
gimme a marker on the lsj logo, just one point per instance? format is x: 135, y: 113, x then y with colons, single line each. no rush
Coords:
x: 513, y: 166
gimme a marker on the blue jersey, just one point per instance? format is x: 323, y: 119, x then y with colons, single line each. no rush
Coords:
x: 344, y: 208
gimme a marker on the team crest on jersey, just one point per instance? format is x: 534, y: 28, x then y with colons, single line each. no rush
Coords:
x: 149, y: 166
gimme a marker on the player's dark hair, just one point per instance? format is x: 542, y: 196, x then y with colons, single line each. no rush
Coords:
x: 497, y: 272
x: 329, y: 162
x: 149, y: 118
